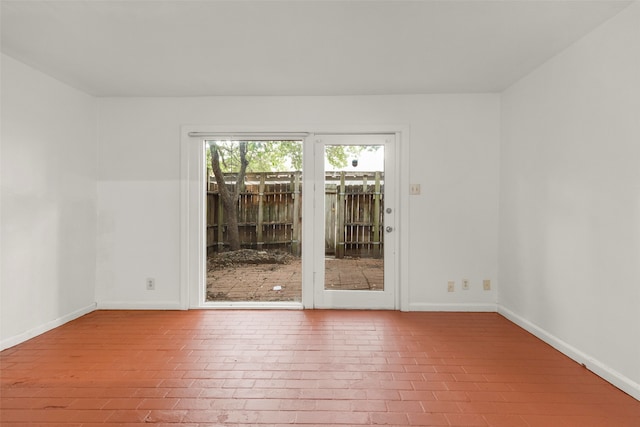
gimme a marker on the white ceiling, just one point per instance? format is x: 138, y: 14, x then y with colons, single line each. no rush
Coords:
x: 197, y: 48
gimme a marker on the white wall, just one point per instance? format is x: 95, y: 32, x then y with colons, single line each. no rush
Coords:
x: 48, y: 214
x: 570, y: 201
x: 453, y: 154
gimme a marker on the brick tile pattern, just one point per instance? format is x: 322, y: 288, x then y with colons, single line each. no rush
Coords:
x: 311, y: 368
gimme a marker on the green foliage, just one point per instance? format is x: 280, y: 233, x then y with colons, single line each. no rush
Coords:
x: 262, y: 156
x: 338, y: 155
x: 278, y: 156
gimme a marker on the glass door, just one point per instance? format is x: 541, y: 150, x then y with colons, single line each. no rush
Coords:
x: 354, y: 222
x: 253, y: 216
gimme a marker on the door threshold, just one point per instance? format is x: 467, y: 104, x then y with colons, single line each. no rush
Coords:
x: 257, y: 305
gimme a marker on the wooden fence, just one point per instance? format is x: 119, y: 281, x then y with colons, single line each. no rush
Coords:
x: 270, y: 213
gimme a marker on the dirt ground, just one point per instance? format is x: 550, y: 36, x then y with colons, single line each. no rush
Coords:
x: 275, y: 276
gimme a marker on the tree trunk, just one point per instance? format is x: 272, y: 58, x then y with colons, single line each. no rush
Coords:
x: 233, y: 232
x: 229, y: 199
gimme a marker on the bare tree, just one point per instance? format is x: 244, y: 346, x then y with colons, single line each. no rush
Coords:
x: 230, y: 199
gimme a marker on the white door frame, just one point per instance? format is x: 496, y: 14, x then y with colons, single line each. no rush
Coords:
x: 380, y: 299
x: 192, y: 219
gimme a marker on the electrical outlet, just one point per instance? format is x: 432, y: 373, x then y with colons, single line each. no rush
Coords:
x: 451, y: 286
x: 414, y: 189
x: 151, y: 284
x: 465, y: 284
x: 486, y: 285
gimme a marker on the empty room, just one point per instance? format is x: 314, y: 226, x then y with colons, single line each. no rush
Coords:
x: 375, y: 212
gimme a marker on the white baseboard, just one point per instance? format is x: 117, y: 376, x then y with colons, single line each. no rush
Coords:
x: 34, y: 332
x: 597, y: 367
x: 139, y: 305
x: 464, y: 307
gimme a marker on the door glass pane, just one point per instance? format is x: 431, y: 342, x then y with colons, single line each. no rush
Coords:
x: 354, y: 228
x: 254, y: 221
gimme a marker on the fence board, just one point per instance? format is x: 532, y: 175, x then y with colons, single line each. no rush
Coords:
x: 269, y: 213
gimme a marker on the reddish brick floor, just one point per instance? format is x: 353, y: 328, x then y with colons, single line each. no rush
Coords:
x: 276, y: 368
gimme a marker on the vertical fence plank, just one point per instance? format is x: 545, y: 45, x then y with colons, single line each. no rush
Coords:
x: 340, y: 235
x: 330, y: 200
x: 376, y: 216
x: 220, y: 222
x: 259, y: 222
x: 295, y: 226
